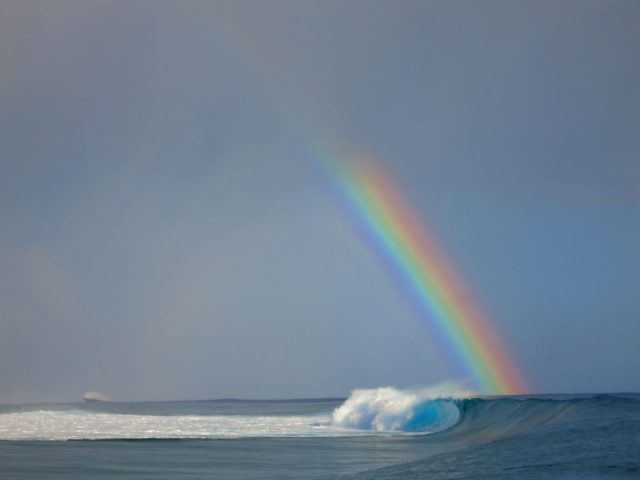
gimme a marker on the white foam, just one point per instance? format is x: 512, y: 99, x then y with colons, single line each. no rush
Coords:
x: 79, y: 425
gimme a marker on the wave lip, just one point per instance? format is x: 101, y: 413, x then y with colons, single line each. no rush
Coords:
x: 393, y: 410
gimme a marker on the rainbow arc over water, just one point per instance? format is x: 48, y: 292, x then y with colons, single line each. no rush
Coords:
x: 399, y: 238
x: 441, y: 297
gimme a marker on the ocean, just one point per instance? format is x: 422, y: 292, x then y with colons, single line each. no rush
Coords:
x: 375, y: 434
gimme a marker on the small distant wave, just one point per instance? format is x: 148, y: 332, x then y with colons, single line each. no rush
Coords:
x: 392, y: 410
x: 95, y: 397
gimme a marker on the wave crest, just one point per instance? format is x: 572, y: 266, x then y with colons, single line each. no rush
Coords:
x: 427, y: 410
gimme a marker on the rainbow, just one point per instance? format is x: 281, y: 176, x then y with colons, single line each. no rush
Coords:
x: 399, y: 239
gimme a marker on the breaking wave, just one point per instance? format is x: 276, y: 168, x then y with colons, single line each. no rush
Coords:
x: 392, y: 410
x: 459, y: 416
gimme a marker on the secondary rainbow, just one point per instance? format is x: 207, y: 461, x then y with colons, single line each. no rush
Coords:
x: 399, y: 238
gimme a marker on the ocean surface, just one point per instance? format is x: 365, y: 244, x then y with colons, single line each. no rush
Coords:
x: 375, y: 434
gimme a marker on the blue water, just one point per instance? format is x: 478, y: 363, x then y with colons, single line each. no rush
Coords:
x: 406, y: 436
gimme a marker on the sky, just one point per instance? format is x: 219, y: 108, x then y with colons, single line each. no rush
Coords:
x: 168, y: 233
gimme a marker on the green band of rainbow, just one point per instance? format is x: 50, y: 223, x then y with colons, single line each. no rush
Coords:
x: 446, y: 303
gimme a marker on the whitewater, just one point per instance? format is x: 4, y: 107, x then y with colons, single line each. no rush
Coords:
x: 381, y: 433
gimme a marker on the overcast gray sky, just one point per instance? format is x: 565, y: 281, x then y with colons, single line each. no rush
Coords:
x: 165, y: 234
